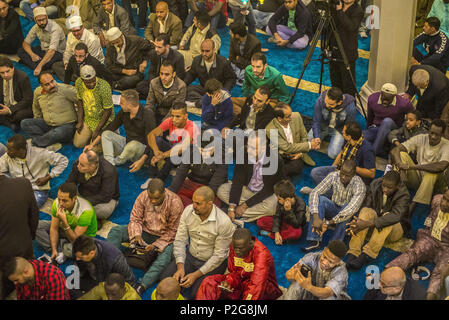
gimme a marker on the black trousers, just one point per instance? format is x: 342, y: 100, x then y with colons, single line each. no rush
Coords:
x: 195, y: 94
x: 15, y: 118
x: 191, y: 265
x: 293, y: 167
x: 340, y: 76
x: 124, y: 82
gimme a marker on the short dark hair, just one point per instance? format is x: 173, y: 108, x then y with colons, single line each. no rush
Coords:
x: 70, y: 188
x: 84, y: 244
x: 202, y: 16
x: 9, y: 266
x: 18, y: 141
x: 259, y: 56
x: 349, y: 164
x: 163, y: 37
x: 242, y: 234
x: 353, y: 129
x: 167, y: 63
x: 39, y: 77
x: 156, y: 185
x: 279, y: 109
x: 238, y: 28
x: 438, y: 123
x: 6, y: 62
x: 212, y: 85
x: 417, y: 113
x: 393, y: 176
x: 338, y: 248
x: 434, y: 22
x: 179, y: 106
x: 335, y: 94
x: 284, y: 189
x: 82, y: 46
x: 115, y: 278
x: 131, y: 96
x: 265, y: 90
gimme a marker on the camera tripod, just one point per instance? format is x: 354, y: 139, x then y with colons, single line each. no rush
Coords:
x: 326, y: 21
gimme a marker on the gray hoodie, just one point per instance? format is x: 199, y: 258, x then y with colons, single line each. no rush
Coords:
x: 36, y: 165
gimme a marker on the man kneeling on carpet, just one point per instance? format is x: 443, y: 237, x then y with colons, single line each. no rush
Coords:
x: 152, y: 225
x: 385, y: 208
x: 250, y: 275
x: 290, y: 215
x: 71, y: 216
x: 319, y: 275
x: 431, y: 245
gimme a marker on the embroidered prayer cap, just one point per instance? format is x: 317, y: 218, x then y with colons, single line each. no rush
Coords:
x: 74, y: 22
x: 338, y: 248
x: 87, y: 72
x: 389, y: 88
x: 39, y: 11
x: 113, y: 34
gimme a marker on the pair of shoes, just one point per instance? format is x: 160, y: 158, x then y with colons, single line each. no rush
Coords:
x: 312, y: 246
x: 145, y: 185
x: 54, y: 147
x: 359, y: 262
x: 141, y: 289
x: 306, y: 190
x: 264, y: 233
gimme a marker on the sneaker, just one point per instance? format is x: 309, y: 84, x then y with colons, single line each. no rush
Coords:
x: 312, y: 246
x: 388, y: 168
x: 54, y: 147
x: 60, y: 258
x: 359, y: 262
x: 306, y: 190
x: 272, y: 40
x: 141, y: 289
x: 264, y: 233
x: 145, y: 185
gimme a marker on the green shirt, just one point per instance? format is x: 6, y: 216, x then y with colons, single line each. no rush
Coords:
x: 95, y: 101
x: 291, y: 20
x: 99, y: 293
x: 272, y: 79
x: 83, y: 214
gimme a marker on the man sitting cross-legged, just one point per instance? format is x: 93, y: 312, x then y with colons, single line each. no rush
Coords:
x: 348, y: 193
x: 250, y: 275
x: 319, y: 275
x: 113, y: 288
x: 431, y: 245
x: 71, y: 216
x: 432, y: 155
x: 385, y: 208
x: 153, y: 223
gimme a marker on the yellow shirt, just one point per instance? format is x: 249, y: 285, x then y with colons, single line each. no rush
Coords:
x: 98, y: 293
x: 153, y: 296
x: 439, y: 225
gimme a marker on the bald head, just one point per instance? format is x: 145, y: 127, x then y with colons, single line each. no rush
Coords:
x: 161, y: 10
x: 206, y: 193
x: 420, y: 78
x: 393, y: 276
x: 208, y: 43
x: 168, y: 289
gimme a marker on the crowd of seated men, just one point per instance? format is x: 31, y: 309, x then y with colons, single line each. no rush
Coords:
x: 88, y: 49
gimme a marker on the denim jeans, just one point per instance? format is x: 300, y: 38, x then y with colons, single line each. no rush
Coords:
x: 114, y: 143
x: 52, y: 11
x: 327, y: 210
x: 262, y: 18
x: 378, y: 135
x: 213, y: 20
x: 240, y: 18
x: 43, y: 135
x: 319, y: 173
x: 336, y: 143
x: 41, y: 197
x: 285, y: 33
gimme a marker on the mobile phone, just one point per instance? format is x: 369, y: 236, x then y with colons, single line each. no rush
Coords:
x: 225, y: 288
x: 45, y: 258
x: 305, y: 270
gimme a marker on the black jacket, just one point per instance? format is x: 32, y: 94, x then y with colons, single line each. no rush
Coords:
x: 101, y: 188
x: 176, y: 59
x: 396, y: 206
x: 242, y: 177
x: 73, y: 69
x: 23, y: 93
x: 303, y: 21
x: 436, y: 96
x: 12, y: 33
x: 108, y: 260
x: 296, y: 217
x: 263, y: 117
x: 221, y: 70
x: 252, y: 45
x: 347, y: 24
x: 412, y: 291
x: 19, y: 217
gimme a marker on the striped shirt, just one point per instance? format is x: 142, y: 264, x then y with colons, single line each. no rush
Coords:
x: 352, y: 195
x: 49, y: 284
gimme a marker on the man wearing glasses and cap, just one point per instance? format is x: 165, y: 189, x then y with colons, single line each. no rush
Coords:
x: 76, y: 35
x: 386, y: 112
x: 97, y: 111
x: 126, y: 58
x: 52, y: 40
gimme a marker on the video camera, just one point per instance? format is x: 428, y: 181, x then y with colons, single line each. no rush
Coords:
x: 326, y: 4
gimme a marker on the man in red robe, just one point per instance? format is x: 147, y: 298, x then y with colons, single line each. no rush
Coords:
x: 250, y: 274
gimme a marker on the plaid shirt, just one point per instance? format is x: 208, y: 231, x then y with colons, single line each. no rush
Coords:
x: 49, y: 284
x: 353, y: 195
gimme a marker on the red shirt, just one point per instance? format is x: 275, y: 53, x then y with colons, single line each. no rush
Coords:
x: 210, y: 4
x: 49, y: 284
x: 175, y: 135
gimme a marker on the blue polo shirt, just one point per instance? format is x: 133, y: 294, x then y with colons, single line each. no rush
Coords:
x: 364, y: 158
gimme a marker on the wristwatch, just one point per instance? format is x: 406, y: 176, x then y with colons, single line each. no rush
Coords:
x: 326, y: 222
